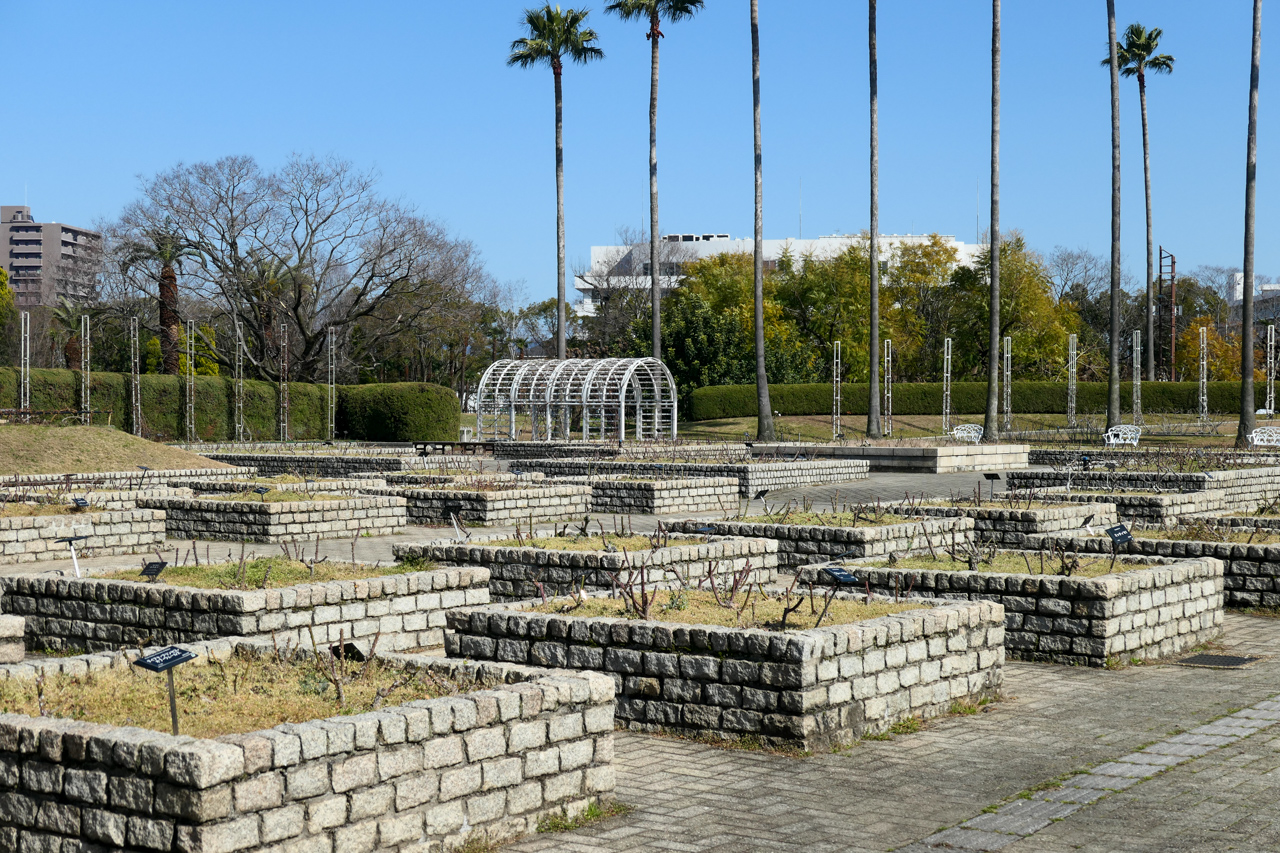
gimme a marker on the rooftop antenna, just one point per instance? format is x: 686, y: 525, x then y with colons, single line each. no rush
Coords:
x: 801, y: 237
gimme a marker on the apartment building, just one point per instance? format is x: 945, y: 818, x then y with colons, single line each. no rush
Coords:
x: 47, y: 261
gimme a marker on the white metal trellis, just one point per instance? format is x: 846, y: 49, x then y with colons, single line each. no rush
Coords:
x: 1071, y: 380
x: 835, y: 390
x: 333, y: 390
x: 1204, y: 374
x: 1137, y: 377
x: 284, y: 382
x: 24, y: 392
x: 888, y: 388
x: 85, y: 417
x: 1271, y: 369
x: 239, y: 380
x: 946, y: 386
x: 191, y: 381
x: 1008, y: 384
x: 592, y: 399
x: 135, y: 370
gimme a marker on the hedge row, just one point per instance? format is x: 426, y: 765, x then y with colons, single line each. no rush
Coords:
x: 967, y: 398
x: 402, y: 411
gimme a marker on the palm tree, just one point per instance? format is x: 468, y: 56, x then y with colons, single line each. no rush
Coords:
x: 1113, y: 372
x: 554, y: 35
x: 873, y: 403
x: 990, y: 427
x: 162, y: 246
x: 1247, y: 419
x: 764, y: 420
x: 654, y: 11
x: 1136, y: 56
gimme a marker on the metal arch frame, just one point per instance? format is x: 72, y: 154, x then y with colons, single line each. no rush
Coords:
x: 598, y: 390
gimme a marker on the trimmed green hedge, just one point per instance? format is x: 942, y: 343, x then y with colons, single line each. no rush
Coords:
x: 413, y: 411
x: 404, y: 411
x: 967, y: 398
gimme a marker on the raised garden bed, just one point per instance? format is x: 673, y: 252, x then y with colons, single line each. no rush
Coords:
x: 518, y: 573
x: 285, y: 482
x: 801, y: 544
x: 491, y: 503
x: 1259, y: 481
x: 99, y: 498
x: 619, y: 494
x: 1167, y: 508
x: 317, y: 465
x: 483, y: 765
x: 406, y: 608
x: 32, y: 538
x: 1137, y: 613
x: 261, y: 521
x: 1010, y: 526
x: 752, y: 477
x: 814, y: 688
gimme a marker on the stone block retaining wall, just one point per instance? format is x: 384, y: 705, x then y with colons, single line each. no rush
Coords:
x: 99, y: 613
x: 1259, y: 481
x: 521, y: 503
x: 661, y: 497
x: 331, y: 486
x: 1170, y: 508
x: 1011, y: 527
x: 488, y: 763
x: 516, y: 573
x: 1142, y: 613
x: 816, y: 688
x: 318, y: 465
x: 752, y: 477
x: 801, y: 544
x: 26, y: 539
x: 254, y: 521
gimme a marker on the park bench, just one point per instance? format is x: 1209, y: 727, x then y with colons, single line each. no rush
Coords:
x: 1266, y: 436
x: 1122, y: 434
x: 967, y: 432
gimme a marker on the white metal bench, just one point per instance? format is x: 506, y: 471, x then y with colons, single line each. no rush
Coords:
x: 967, y: 432
x: 1122, y: 434
x: 1265, y: 436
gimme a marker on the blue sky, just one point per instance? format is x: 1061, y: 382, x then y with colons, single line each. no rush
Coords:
x: 419, y: 90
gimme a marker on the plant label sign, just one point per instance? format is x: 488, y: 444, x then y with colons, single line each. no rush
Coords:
x: 840, y: 575
x: 80, y: 502
x: 153, y: 569
x: 165, y: 659
x: 1119, y: 534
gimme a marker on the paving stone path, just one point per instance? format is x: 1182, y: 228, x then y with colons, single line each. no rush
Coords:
x: 1061, y: 733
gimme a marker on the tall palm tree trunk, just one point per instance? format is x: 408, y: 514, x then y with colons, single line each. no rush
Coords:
x: 170, y: 334
x: 990, y: 428
x: 656, y: 295
x: 1247, y: 416
x: 1113, y: 372
x: 1149, y: 344
x: 873, y: 404
x: 560, y: 311
x: 764, y: 421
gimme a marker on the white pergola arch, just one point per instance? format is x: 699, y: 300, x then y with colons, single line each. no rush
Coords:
x: 587, y: 398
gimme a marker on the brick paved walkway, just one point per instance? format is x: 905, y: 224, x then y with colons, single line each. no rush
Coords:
x: 891, y: 795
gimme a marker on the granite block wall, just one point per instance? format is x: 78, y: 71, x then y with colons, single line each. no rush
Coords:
x: 253, y: 521
x: 28, y: 539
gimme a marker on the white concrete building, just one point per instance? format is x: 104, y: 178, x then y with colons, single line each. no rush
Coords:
x: 628, y: 265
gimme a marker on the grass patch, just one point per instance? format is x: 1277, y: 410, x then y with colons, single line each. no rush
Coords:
x: 1205, y: 533
x: 591, y: 543
x: 1016, y: 564
x: 750, y: 610
x: 38, y: 449
x: 746, y: 743
x: 244, y: 694
x: 277, y: 571
x: 831, y: 519
x: 1262, y: 612
x: 594, y: 813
